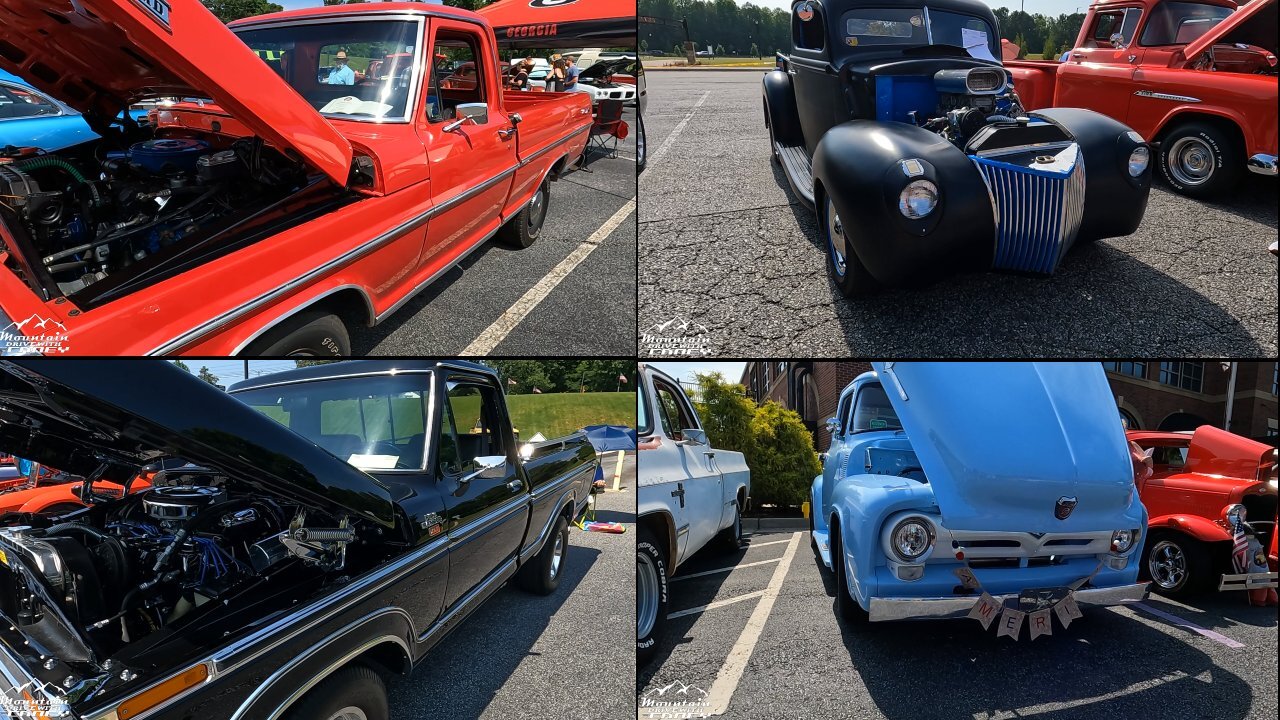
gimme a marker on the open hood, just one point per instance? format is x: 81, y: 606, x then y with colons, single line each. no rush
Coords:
x: 78, y: 415
x: 99, y: 56
x: 562, y: 23
x: 1214, y: 451
x: 608, y: 66
x: 1252, y: 24
x: 1001, y: 442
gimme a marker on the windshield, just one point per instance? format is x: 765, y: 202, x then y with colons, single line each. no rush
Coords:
x: 353, y: 70
x: 19, y: 102
x: 922, y: 26
x: 1179, y: 23
x: 374, y: 423
x: 873, y: 411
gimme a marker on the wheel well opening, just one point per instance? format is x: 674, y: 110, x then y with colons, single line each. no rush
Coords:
x: 558, y: 167
x: 659, y: 524
x: 386, y: 658
x: 1224, y: 124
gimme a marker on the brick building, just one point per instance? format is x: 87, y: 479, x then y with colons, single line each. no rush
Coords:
x: 1176, y: 395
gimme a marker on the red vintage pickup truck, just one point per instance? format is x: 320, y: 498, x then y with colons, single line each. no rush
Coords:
x: 303, y: 173
x: 1196, y: 77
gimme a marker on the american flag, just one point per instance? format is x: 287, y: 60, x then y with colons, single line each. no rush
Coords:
x: 1240, y: 549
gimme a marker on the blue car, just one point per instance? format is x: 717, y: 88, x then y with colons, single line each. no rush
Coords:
x: 998, y: 491
x: 30, y: 118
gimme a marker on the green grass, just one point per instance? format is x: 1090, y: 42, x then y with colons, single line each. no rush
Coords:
x: 556, y: 414
x: 679, y: 61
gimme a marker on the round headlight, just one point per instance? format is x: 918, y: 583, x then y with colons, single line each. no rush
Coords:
x: 1234, y: 514
x: 918, y: 199
x: 911, y: 538
x: 1122, y: 540
x: 1138, y: 160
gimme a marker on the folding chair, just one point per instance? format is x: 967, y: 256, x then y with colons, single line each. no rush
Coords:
x: 606, y: 128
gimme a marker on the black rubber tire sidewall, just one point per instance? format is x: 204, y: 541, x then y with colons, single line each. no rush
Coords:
x: 535, y: 575
x: 1199, y: 563
x: 516, y: 233
x: 857, y: 281
x: 317, y: 332
x: 648, y: 645
x: 352, y: 685
x: 642, y: 144
x: 846, y: 606
x: 730, y: 538
x: 1226, y: 155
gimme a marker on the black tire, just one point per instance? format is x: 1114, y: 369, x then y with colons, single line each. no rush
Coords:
x: 729, y: 540
x: 847, y: 271
x: 1165, y: 550
x: 354, y: 686
x: 642, y: 147
x: 523, y: 230
x: 846, y: 606
x: 312, y: 333
x: 541, y: 575
x: 813, y: 541
x: 768, y: 125
x: 1200, y: 160
x: 650, y: 558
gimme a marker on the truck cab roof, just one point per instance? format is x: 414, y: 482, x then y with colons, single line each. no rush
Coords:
x: 345, y: 368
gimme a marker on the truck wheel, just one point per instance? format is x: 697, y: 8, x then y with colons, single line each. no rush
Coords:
x: 541, y: 575
x: 813, y: 541
x: 846, y: 270
x: 730, y: 538
x: 1200, y: 160
x: 1177, y: 565
x: 651, y: 595
x: 846, y: 606
x: 522, y: 230
x: 314, y: 332
x: 353, y: 693
x: 642, y: 152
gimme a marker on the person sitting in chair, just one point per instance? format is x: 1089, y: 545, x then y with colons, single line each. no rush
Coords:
x: 341, y: 74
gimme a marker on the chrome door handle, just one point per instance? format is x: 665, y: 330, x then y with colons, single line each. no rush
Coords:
x: 515, y: 485
x: 506, y: 133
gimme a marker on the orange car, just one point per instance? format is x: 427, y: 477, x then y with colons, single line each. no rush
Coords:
x: 54, y: 491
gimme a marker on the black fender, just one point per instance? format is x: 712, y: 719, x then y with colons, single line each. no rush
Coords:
x: 780, y: 108
x: 1114, y: 202
x: 859, y: 164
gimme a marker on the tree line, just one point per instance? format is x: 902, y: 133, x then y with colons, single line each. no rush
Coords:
x: 228, y: 10
x: 749, y: 29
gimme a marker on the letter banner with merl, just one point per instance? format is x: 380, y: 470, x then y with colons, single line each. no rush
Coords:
x: 1008, y: 619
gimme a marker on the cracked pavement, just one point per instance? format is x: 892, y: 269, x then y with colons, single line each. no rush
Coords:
x: 725, y: 244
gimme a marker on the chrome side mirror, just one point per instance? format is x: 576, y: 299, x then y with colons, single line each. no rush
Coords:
x: 474, y: 113
x: 693, y: 436
x: 833, y: 426
x: 1118, y: 41
x: 488, y: 467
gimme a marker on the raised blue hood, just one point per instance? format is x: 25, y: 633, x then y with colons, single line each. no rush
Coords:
x: 1000, y: 442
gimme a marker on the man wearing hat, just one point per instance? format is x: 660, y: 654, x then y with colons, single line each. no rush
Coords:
x: 341, y: 74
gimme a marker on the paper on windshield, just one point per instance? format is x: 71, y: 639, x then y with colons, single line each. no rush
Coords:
x: 352, y: 105
x: 975, y: 43
x: 373, y: 462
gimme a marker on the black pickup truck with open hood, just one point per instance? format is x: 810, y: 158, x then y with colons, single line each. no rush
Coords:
x: 329, y: 525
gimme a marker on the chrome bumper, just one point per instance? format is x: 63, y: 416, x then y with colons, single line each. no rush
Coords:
x: 1263, y: 164
x: 1248, y: 581
x: 941, y: 608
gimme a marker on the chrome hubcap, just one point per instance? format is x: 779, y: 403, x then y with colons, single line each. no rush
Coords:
x: 557, y: 553
x: 536, y: 207
x: 349, y: 713
x: 835, y: 238
x: 640, y: 143
x: 1191, y: 161
x: 646, y: 595
x: 1168, y: 565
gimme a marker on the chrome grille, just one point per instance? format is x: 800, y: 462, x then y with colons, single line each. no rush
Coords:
x: 1038, y: 212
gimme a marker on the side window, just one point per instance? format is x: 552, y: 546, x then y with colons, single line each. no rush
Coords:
x: 642, y: 409
x: 674, y: 414
x: 808, y: 27
x: 455, y: 74
x: 843, y: 414
x: 19, y: 103
x: 470, y: 427
x: 1107, y: 24
x: 1130, y: 24
x: 872, y: 411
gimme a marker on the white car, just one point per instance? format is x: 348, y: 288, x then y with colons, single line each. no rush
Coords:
x: 688, y: 495
x: 598, y: 79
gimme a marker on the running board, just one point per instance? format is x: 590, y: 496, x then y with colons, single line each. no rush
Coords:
x: 795, y: 163
x: 824, y: 546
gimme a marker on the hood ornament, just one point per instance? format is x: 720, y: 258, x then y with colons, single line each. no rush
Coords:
x: 1062, y: 509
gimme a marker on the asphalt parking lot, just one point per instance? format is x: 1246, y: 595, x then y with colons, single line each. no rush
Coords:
x: 1131, y: 661
x: 731, y: 254
x: 567, y: 654
x: 482, y: 306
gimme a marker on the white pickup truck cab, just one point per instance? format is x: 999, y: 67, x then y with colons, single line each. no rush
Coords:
x: 689, y: 494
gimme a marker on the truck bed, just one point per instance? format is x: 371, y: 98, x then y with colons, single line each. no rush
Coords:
x: 546, y: 118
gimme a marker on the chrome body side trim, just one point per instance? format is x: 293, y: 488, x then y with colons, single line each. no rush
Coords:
x: 533, y: 547
x: 306, y: 304
x: 469, y: 602
x: 464, y: 533
x: 553, y: 146
x: 937, y: 608
x: 1165, y: 96
x: 436, y: 275
x: 1262, y: 164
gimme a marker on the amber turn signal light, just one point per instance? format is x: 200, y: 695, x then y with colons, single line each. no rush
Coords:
x: 148, y: 699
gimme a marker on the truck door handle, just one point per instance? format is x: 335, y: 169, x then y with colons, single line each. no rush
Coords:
x: 515, y: 485
x: 506, y: 133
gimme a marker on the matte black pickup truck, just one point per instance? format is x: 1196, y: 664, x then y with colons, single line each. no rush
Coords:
x: 330, y: 525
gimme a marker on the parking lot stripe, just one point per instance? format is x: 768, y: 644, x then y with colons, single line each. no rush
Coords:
x: 771, y: 542
x: 724, y: 569
x: 666, y: 144
x: 1050, y: 707
x: 503, y: 326
x: 1187, y: 624
x: 716, y: 604
x: 731, y: 672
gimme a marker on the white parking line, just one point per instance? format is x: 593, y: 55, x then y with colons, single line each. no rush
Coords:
x: 716, y: 604
x: 666, y: 144
x: 1187, y: 624
x: 503, y: 326
x: 723, y: 570
x: 771, y: 542
x: 1046, y: 708
x: 736, y: 663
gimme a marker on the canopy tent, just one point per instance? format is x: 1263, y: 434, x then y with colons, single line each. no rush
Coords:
x: 609, y: 438
x: 562, y: 23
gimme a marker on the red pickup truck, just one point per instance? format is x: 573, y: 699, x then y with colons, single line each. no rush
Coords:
x: 302, y: 173
x: 1196, y: 77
